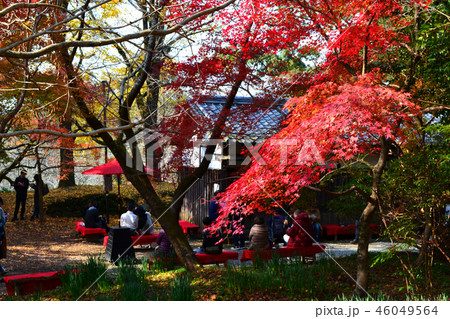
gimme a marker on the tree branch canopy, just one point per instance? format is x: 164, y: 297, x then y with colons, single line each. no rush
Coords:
x: 9, y: 53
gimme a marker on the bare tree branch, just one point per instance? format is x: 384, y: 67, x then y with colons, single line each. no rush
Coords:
x: 62, y: 134
x: 7, y: 52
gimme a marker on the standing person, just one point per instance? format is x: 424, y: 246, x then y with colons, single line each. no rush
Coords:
x: 237, y: 227
x: 301, y: 232
x: 37, y: 186
x: 21, y: 185
x: 214, y: 207
x: 129, y: 219
x: 355, y: 240
x: 314, y: 216
x: 259, y: 235
x: 3, y: 219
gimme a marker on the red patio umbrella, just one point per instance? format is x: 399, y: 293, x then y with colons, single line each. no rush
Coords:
x: 110, y: 168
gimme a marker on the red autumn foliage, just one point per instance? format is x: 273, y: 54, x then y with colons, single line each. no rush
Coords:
x: 330, y: 124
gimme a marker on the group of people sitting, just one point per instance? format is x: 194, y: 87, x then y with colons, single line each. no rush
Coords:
x: 297, y: 231
x: 300, y: 232
x: 137, y: 218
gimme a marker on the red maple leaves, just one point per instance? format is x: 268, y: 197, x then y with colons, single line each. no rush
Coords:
x: 331, y: 124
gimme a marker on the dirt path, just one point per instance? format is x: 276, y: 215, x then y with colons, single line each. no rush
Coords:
x: 34, y: 246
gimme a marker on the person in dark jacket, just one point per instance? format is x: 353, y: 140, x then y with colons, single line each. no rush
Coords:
x: 145, y: 223
x: 275, y: 224
x: 3, y: 219
x: 92, y: 217
x: 211, y: 239
x: 21, y: 185
x: 214, y: 207
x: 237, y: 227
x: 37, y: 186
x: 301, y: 232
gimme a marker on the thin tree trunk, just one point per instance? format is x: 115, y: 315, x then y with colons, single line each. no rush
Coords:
x: 67, y: 168
x: 423, y: 254
x: 40, y: 187
x: 362, y: 259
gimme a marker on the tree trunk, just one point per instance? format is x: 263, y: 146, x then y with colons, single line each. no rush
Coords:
x: 423, y: 254
x: 179, y: 241
x: 362, y: 259
x: 40, y: 188
x: 67, y: 168
x: 167, y: 217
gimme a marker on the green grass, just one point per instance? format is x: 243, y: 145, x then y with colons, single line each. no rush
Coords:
x: 278, y: 279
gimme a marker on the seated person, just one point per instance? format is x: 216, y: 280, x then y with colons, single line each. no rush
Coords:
x: 164, y: 247
x: 129, y: 219
x: 301, y: 232
x: 92, y: 217
x: 259, y: 235
x: 211, y: 238
x: 275, y: 224
x: 145, y: 224
x: 314, y: 216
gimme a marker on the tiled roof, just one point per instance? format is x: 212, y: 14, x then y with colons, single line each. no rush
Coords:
x: 247, y: 120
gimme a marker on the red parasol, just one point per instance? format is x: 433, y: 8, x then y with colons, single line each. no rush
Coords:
x: 110, y: 168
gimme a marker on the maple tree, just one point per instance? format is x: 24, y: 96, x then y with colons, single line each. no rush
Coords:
x: 55, y: 40
x: 244, y: 44
x: 329, y: 127
x: 356, y: 39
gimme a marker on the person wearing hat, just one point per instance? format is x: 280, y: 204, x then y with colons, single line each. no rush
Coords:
x: 21, y: 185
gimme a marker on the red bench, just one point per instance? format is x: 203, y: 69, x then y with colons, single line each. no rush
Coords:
x: 83, y: 230
x: 267, y: 254
x: 189, y: 228
x: 204, y: 259
x: 31, y: 283
x: 137, y: 240
x: 222, y: 258
x: 335, y: 230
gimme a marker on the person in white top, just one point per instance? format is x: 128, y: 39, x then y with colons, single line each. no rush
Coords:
x: 129, y: 219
